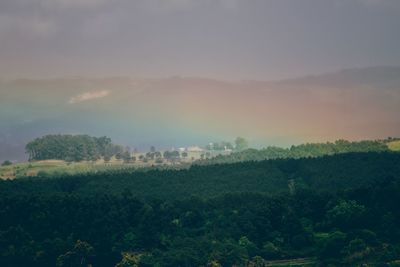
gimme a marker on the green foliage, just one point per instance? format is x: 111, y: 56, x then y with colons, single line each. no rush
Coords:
x: 241, y: 144
x: 394, y: 145
x: 220, y: 146
x: 6, y: 163
x: 271, y: 177
x: 126, y: 156
x: 333, y: 244
x: 171, y: 155
x: 79, y: 256
x: 342, y: 211
x: 129, y: 242
x: 72, y: 148
x: 129, y: 259
x: 296, y: 152
x: 346, y: 214
x: 270, y: 251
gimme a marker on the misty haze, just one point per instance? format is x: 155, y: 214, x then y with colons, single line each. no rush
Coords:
x: 225, y: 133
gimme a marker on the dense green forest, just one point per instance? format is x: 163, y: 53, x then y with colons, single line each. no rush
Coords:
x: 340, y: 210
x: 72, y: 148
x: 301, y: 151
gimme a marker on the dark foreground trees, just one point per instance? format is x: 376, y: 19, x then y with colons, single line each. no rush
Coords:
x: 231, y: 230
x: 340, y: 211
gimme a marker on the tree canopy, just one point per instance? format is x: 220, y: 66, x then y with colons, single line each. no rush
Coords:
x: 71, y: 148
x: 338, y: 210
x: 299, y: 151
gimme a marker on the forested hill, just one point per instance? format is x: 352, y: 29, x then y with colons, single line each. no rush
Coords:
x: 302, y: 151
x: 331, y: 173
x: 339, y: 210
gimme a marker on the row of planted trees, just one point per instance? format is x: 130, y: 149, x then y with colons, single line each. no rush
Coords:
x: 83, y: 147
x: 87, y: 148
x: 71, y: 148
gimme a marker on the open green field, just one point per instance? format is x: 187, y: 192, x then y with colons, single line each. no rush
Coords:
x: 54, y: 167
x: 395, y: 145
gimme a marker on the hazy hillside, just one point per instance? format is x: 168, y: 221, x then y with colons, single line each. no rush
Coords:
x: 351, y: 104
x: 382, y: 77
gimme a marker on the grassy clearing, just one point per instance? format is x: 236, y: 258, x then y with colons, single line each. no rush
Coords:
x: 395, y: 145
x: 54, y: 167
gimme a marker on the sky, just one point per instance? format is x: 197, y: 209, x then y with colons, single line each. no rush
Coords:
x: 185, y: 72
x: 222, y: 39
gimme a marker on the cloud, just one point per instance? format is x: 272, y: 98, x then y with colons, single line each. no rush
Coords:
x: 21, y: 4
x: 371, y: 2
x: 73, y: 3
x: 374, y: 3
x: 88, y: 96
x: 26, y: 26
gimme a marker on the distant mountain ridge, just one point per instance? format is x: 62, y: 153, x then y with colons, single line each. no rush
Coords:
x: 385, y: 76
x: 352, y: 104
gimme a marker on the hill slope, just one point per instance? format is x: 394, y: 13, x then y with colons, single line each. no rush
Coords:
x: 339, y: 210
x: 273, y: 176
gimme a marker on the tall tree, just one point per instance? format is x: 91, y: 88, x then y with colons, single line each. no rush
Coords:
x: 241, y: 143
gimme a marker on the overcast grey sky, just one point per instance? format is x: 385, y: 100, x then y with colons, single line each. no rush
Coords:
x: 226, y: 39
